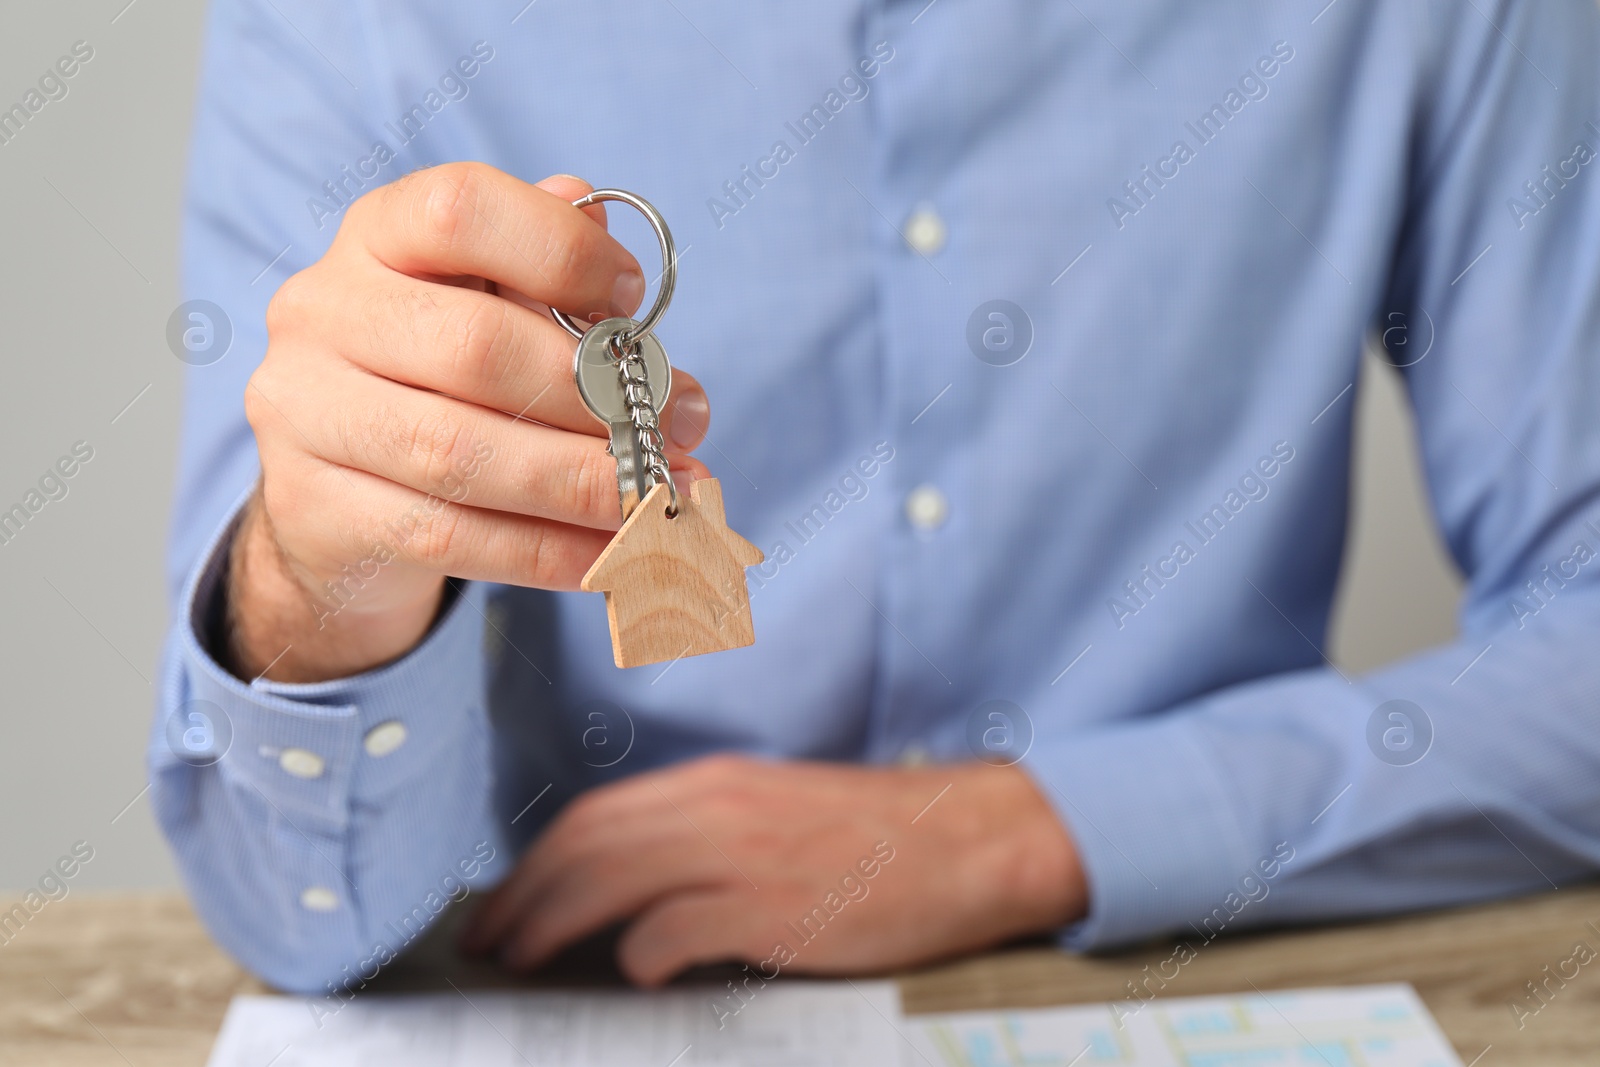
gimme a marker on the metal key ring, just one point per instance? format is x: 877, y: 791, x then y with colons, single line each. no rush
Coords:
x: 669, y: 265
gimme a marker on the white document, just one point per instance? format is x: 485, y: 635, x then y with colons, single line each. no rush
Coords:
x: 784, y: 1024
x: 1359, y: 1026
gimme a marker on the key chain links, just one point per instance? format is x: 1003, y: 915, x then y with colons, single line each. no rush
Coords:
x: 646, y: 420
x: 624, y: 345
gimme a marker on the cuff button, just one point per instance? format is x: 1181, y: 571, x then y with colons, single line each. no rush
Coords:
x: 319, y: 898
x: 384, y: 738
x: 301, y: 763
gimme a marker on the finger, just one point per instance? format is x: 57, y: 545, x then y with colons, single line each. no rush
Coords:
x: 630, y: 814
x: 626, y: 814
x: 460, y: 452
x: 469, y: 219
x: 429, y: 532
x: 610, y: 815
x: 603, y: 889
x: 695, y: 928
x: 490, y: 351
x: 570, y: 187
x: 687, y: 416
x: 612, y: 854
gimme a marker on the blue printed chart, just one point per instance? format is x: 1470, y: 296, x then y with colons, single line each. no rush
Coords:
x: 1363, y: 1026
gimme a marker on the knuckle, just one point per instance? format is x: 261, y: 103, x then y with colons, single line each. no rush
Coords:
x: 260, y: 411
x: 568, y: 251
x: 572, y: 821
x: 532, y: 558
x: 593, y: 811
x: 448, y: 196
x: 591, y: 484
x: 437, y: 537
x: 291, y: 305
x: 576, y: 829
x: 571, y: 838
x: 255, y: 411
x: 475, y: 333
x: 439, y: 445
x: 721, y: 784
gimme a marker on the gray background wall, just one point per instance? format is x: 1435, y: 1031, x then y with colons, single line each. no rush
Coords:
x: 89, y: 198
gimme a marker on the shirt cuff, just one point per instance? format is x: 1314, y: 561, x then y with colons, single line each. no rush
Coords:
x: 310, y: 749
x: 1156, y: 836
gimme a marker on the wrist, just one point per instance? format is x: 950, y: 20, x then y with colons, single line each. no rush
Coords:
x: 277, y: 626
x: 1037, y: 870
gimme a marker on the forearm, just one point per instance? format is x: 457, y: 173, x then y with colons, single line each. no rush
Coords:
x: 1176, y: 815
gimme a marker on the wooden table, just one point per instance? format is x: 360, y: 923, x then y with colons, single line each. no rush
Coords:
x: 133, y: 980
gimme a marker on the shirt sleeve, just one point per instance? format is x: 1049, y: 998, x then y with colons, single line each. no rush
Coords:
x: 318, y: 828
x: 1470, y: 771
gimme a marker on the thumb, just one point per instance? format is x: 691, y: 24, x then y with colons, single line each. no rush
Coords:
x: 571, y: 187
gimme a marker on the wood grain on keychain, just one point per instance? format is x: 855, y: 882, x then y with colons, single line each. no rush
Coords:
x: 675, y: 585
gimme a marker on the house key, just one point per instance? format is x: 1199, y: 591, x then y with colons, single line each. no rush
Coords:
x: 673, y: 575
x: 597, y: 369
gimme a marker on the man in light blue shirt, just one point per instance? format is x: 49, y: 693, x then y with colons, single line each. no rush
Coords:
x: 1029, y: 331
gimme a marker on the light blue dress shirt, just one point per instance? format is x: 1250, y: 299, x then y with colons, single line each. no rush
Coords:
x: 1030, y: 331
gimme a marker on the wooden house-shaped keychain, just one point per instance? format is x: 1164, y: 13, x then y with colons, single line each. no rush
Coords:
x: 675, y: 584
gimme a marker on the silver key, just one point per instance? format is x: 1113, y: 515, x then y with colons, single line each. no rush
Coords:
x: 600, y: 385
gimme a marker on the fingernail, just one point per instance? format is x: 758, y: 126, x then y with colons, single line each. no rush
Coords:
x: 628, y: 293
x: 682, y: 480
x: 691, y: 414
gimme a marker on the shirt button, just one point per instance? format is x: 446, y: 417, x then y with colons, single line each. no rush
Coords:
x: 319, y: 898
x: 927, y: 507
x: 300, y: 763
x: 384, y: 738
x: 925, y: 231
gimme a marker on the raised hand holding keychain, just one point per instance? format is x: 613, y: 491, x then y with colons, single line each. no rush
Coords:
x: 673, y: 576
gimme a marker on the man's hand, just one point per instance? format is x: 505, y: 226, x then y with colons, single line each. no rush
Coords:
x: 726, y: 858
x: 416, y: 417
